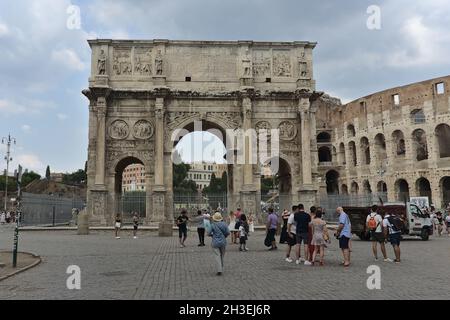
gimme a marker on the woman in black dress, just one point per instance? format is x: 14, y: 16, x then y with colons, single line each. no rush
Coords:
x: 284, y: 235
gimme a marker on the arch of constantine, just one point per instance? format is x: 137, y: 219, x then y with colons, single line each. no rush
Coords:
x: 142, y: 93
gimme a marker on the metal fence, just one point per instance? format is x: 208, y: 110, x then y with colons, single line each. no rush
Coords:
x: 130, y: 202
x: 195, y: 201
x: 38, y: 209
x: 331, y: 202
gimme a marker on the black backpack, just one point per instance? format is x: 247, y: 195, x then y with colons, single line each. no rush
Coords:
x: 396, y: 223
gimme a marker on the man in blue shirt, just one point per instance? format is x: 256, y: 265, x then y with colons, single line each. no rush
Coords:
x: 344, y: 233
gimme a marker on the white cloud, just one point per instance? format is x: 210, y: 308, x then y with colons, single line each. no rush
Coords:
x: 27, y: 106
x: 30, y: 161
x: 26, y: 128
x: 8, y: 107
x: 4, y: 30
x: 62, y: 116
x: 68, y: 58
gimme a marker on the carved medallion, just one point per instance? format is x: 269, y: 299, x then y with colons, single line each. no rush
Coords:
x: 119, y: 130
x: 288, y: 131
x: 143, y: 130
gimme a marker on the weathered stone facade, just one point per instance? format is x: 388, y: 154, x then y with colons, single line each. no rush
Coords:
x: 395, y: 141
x: 142, y: 92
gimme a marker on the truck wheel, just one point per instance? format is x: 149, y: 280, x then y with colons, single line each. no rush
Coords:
x: 424, y: 235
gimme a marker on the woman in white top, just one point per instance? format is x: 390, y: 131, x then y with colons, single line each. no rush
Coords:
x: 251, y: 224
x: 232, y: 227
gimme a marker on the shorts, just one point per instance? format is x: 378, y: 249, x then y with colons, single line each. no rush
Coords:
x: 117, y: 225
x: 343, y: 242
x: 242, y: 240
x: 377, y: 236
x: 271, y: 234
x: 395, y: 238
x: 182, y: 231
x: 291, y: 240
x: 302, y: 237
x: 135, y: 227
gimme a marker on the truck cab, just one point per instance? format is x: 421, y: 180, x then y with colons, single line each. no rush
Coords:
x: 418, y: 223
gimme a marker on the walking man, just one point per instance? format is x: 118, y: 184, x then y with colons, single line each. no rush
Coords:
x: 344, y: 234
x: 302, y: 220
x: 374, y: 223
x: 271, y: 228
x: 182, y: 227
x: 200, y: 220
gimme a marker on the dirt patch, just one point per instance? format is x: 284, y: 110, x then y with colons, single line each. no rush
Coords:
x: 25, y: 261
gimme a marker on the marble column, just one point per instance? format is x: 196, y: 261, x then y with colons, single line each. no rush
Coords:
x: 159, y: 142
x: 101, y: 141
x: 304, y: 106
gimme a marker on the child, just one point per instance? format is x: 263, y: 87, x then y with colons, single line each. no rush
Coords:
x: 243, y: 233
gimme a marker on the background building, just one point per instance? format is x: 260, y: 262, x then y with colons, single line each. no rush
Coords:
x: 133, y: 178
x: 201, y: 173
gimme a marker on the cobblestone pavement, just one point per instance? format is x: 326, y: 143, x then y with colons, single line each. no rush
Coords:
x: 156, y: 268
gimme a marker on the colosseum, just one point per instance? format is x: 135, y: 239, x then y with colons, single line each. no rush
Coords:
x: 394, y: 143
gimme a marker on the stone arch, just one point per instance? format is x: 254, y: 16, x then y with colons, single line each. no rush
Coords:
x: 381, y: 187
x: 380, y: 147
x: 423, y: 188
x: 399, y: 143
x: 443, y: 138
x: 365, y: 151
x: 325, y: 154
x: 344, y: 189
x: 354, y: 190
x: 352, y: 151
x: 445, y: 191
x: 402, y: 190
x: 332, y: 181
x: 366, y: 187
x: 284, y: 177
x: 323, y: 137
x: 351, y: 132
x: 420, y: 144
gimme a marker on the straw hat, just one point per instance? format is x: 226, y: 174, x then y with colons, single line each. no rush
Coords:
x: 217, y: 217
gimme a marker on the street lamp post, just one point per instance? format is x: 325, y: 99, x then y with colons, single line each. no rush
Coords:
x: 8, y: 158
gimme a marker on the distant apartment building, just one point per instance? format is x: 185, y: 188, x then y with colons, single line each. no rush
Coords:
x: 201, y: 173
x: 133, y: 178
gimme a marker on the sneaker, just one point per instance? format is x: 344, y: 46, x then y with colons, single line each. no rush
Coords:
x: 297, y: 261
x: 219, y: 273
x: 134, y: 237
x: 289, y: 260
x: 388, y: 260
x: 245, y: 249
x: 397, y: 261
x: 181, y: 246
x: 117, y: 237
x: 307, y: 263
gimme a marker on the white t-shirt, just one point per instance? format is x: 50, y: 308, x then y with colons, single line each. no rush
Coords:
x: 242, y: 231
x: 448, y: 220
x: 378, y: 220
x: 293, y: 224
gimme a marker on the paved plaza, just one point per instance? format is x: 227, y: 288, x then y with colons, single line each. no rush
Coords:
x: 151, y: 267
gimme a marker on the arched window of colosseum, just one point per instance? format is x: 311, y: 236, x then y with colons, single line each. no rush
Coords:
x: 355, y: 188
x: 380, y: 147
x: 445, y: 191
x: 367, y: 187
x: 332, y: 179
x: 351, y: 132
x: 344, y: 189
x: 381, y: 187
x: 325, y: 154
x: 342, y: 159
x: 352, y: 151
x: 420, y: 144
x: 365, y: 150
x: 402, y: 190
x: 399, y: 143
x: 423, y: 188
x: 417, y: 116
x: 323, y: 137
x: 443, y: 138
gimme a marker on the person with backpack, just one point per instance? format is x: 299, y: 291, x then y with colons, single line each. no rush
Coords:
x: 219, y: 233
x: 392, y: 225
x: 243, y: 233
x: 374, y: 224
x: 302, y: 220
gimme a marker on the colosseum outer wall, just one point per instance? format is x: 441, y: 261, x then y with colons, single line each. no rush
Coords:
x: 395, y: 142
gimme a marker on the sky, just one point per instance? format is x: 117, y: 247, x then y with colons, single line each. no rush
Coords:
x: 45, y: 61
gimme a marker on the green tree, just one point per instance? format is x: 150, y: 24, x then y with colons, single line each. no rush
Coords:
x: 29, y: 177
x: 216, y: 185
x: 181, y: 183
x: 77, y: 177
x: 47, y: 173
x: 12, y: 184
